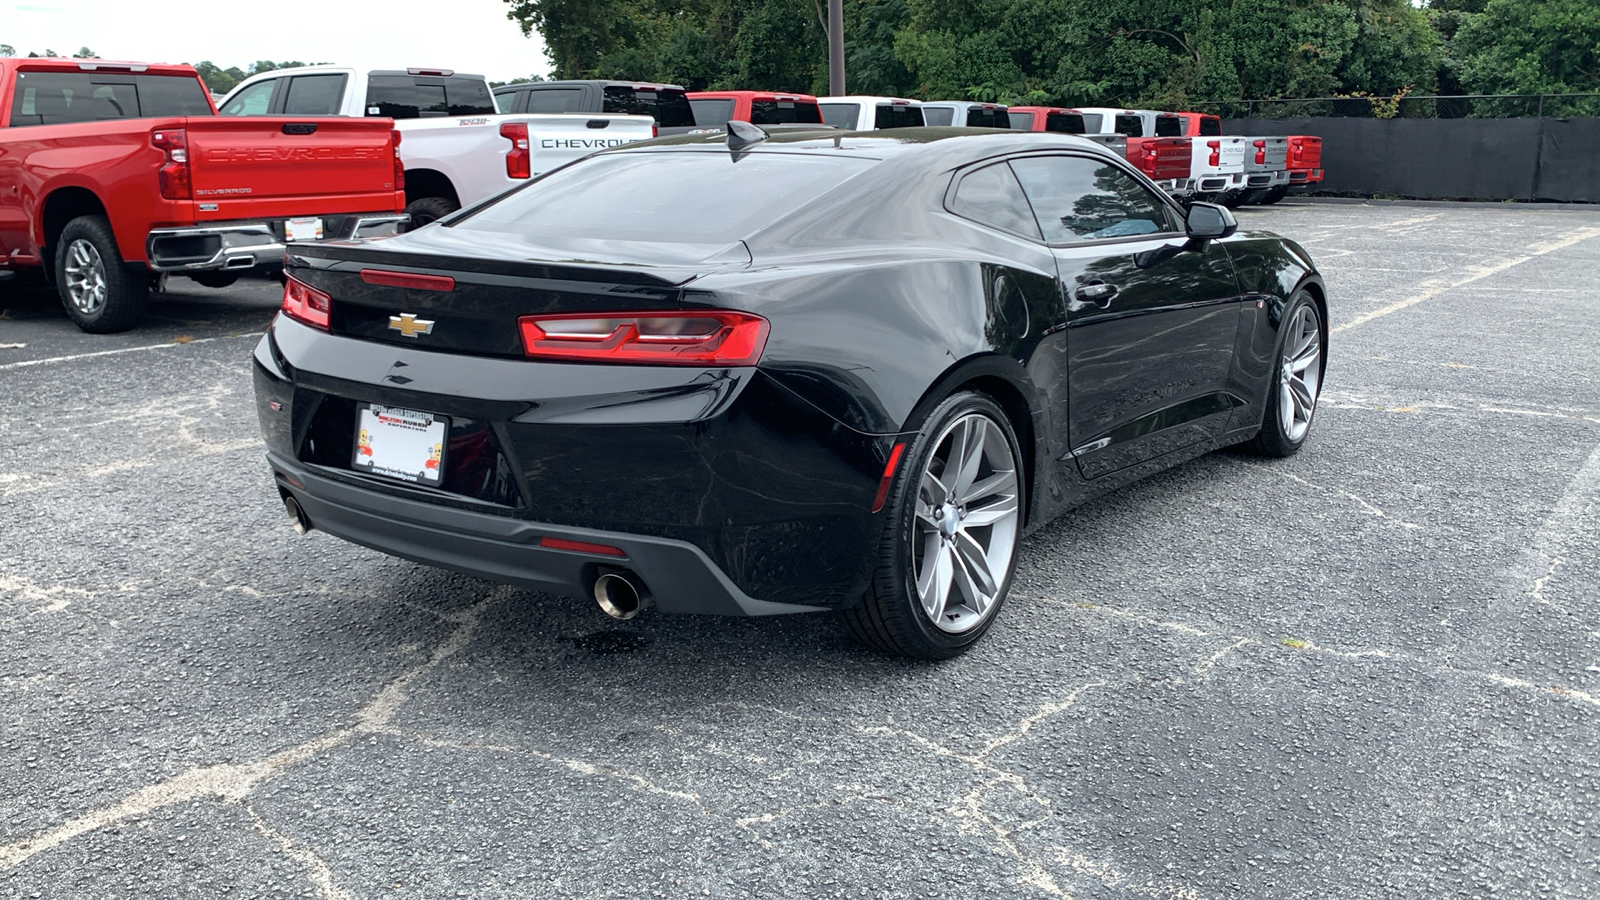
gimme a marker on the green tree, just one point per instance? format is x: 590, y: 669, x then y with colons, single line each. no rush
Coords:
x: 7, y: 50
x: 1529, y: 47
x: 85, y: 53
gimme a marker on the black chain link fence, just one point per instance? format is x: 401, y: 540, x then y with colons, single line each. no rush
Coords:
x: 1452, y: 106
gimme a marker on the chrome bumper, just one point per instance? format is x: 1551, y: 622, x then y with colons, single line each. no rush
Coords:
x: 247, y: 245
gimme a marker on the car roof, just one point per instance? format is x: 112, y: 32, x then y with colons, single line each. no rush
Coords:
x: 64, y: 64
x: 601, y: 82
x: 956, y: 144
x: 863, y: 98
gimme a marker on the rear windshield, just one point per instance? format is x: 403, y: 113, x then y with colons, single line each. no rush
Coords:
x: 1064, y: 123
x: 57, y: 98
x: 665, y: 197
x: 1021, y: 120
x: 784, y: 112
x: 428, y: 96
x: 1132, y: 126
x: 1169, y: 126
x: 712, y: 110
x: 987, y: 118
x: 668, y: 106
x: 1210, y: 126
x: 897, y: 116
x: 938, y: 115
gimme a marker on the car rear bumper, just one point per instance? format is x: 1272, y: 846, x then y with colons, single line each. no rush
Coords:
x: 1216, y: 183
x: 249, y: 245
x: 1267, y: 179
x: 678, y: 575
x: 1305, y: 176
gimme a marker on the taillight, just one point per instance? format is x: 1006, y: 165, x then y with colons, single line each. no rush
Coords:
x: 519, y: 161
x: 304, y: 303
x: 408, y: 280
x: 888, y: 477
x: 710, y: 337
x: 1261, y: 153
x: 174, y: 173
x: 399, y: 167
x: 655, y: 129
x: 1216, y: 152
x: 1296, y: 149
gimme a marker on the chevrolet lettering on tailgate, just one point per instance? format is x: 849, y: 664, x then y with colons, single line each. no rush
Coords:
x: 293, y: 154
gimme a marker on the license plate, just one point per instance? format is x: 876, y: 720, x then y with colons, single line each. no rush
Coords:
x: 400, y: 443
x: 308, y: 229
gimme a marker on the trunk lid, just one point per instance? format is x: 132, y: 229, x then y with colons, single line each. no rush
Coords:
x: 273, y: 166
x: 469, y: 302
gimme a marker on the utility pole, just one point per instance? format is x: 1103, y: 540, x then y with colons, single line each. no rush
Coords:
x: 836, y: 47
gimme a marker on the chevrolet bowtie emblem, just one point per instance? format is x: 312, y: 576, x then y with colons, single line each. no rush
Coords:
x: 409, y: 325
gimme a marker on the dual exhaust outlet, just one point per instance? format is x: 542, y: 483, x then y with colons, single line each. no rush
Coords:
x: 620, y: 593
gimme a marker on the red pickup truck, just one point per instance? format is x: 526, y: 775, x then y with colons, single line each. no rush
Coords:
x: 111, y: 173
x: 713, y: 109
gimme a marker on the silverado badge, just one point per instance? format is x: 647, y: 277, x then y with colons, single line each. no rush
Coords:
x: 410, y: 326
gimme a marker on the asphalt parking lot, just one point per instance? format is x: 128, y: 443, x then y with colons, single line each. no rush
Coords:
x: 1371, y: 670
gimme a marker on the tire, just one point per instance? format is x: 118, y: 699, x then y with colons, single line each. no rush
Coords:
x: 98, y: 291
x: 1231, y: 199
x: 1252, y: 196
x: 964, y: 557
x: 1296, y: 380
x: 428, y: 209
x: 214, y: 279
x: 1273, y: 195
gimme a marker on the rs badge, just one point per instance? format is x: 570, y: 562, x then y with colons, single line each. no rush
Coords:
x: 409, y: 325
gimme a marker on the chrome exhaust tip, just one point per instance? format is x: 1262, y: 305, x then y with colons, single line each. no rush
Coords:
x: 297, y: 516
x: 621, y: 594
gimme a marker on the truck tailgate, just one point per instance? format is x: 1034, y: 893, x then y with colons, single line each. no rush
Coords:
x: 254, y: 167
x: 1161, y: 158
x: 1305, y: 151
x: 1268, y: 154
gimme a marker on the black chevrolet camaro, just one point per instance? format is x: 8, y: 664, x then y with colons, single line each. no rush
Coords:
x: 748, y: 375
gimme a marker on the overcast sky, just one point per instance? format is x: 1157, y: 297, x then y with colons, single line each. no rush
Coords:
x: 466, y: 35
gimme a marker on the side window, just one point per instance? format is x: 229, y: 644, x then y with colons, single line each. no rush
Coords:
x: 314, y: 95
x: 939, y: 115
x: 555, y: 100
x: 252, y: 101
x: 992, y: 196
x: 1091, y: 122
x: 712, y: 110
x: 841, y: 115
x: 1022, y: 121
x: 1078, y: 199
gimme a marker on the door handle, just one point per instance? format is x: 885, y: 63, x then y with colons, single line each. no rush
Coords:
x: 1098, y: 293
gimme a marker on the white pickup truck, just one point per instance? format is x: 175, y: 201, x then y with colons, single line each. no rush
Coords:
x: 858, y: 113
x: 455, y: 147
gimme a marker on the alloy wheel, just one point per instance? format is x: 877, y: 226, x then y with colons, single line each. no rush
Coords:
x: 1300, y: 373
x: 965, y: 528
x: 86, y: 277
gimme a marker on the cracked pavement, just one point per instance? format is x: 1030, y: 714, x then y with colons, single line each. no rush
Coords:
x: 1372, y: 670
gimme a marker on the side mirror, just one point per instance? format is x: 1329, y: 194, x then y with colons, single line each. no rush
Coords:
x: 1208, y: 221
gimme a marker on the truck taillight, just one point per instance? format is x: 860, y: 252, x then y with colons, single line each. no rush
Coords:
x: 174, y: 173
x: 304, y: 303
x: 399, y: 167
x: 1261, y: 153
x: 1296, y: 151
x: 679, y: 337
x: 1216, y: 152
x: 519, y: 161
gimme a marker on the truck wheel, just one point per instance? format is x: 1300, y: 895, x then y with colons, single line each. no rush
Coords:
x: 99, y: 292
x: 1275, y: 194
x: 429, y: 209
x: 214, y: 279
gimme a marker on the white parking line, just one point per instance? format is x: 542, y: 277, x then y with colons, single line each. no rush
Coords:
x: 167, y: 346
x: 1477, y: 275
